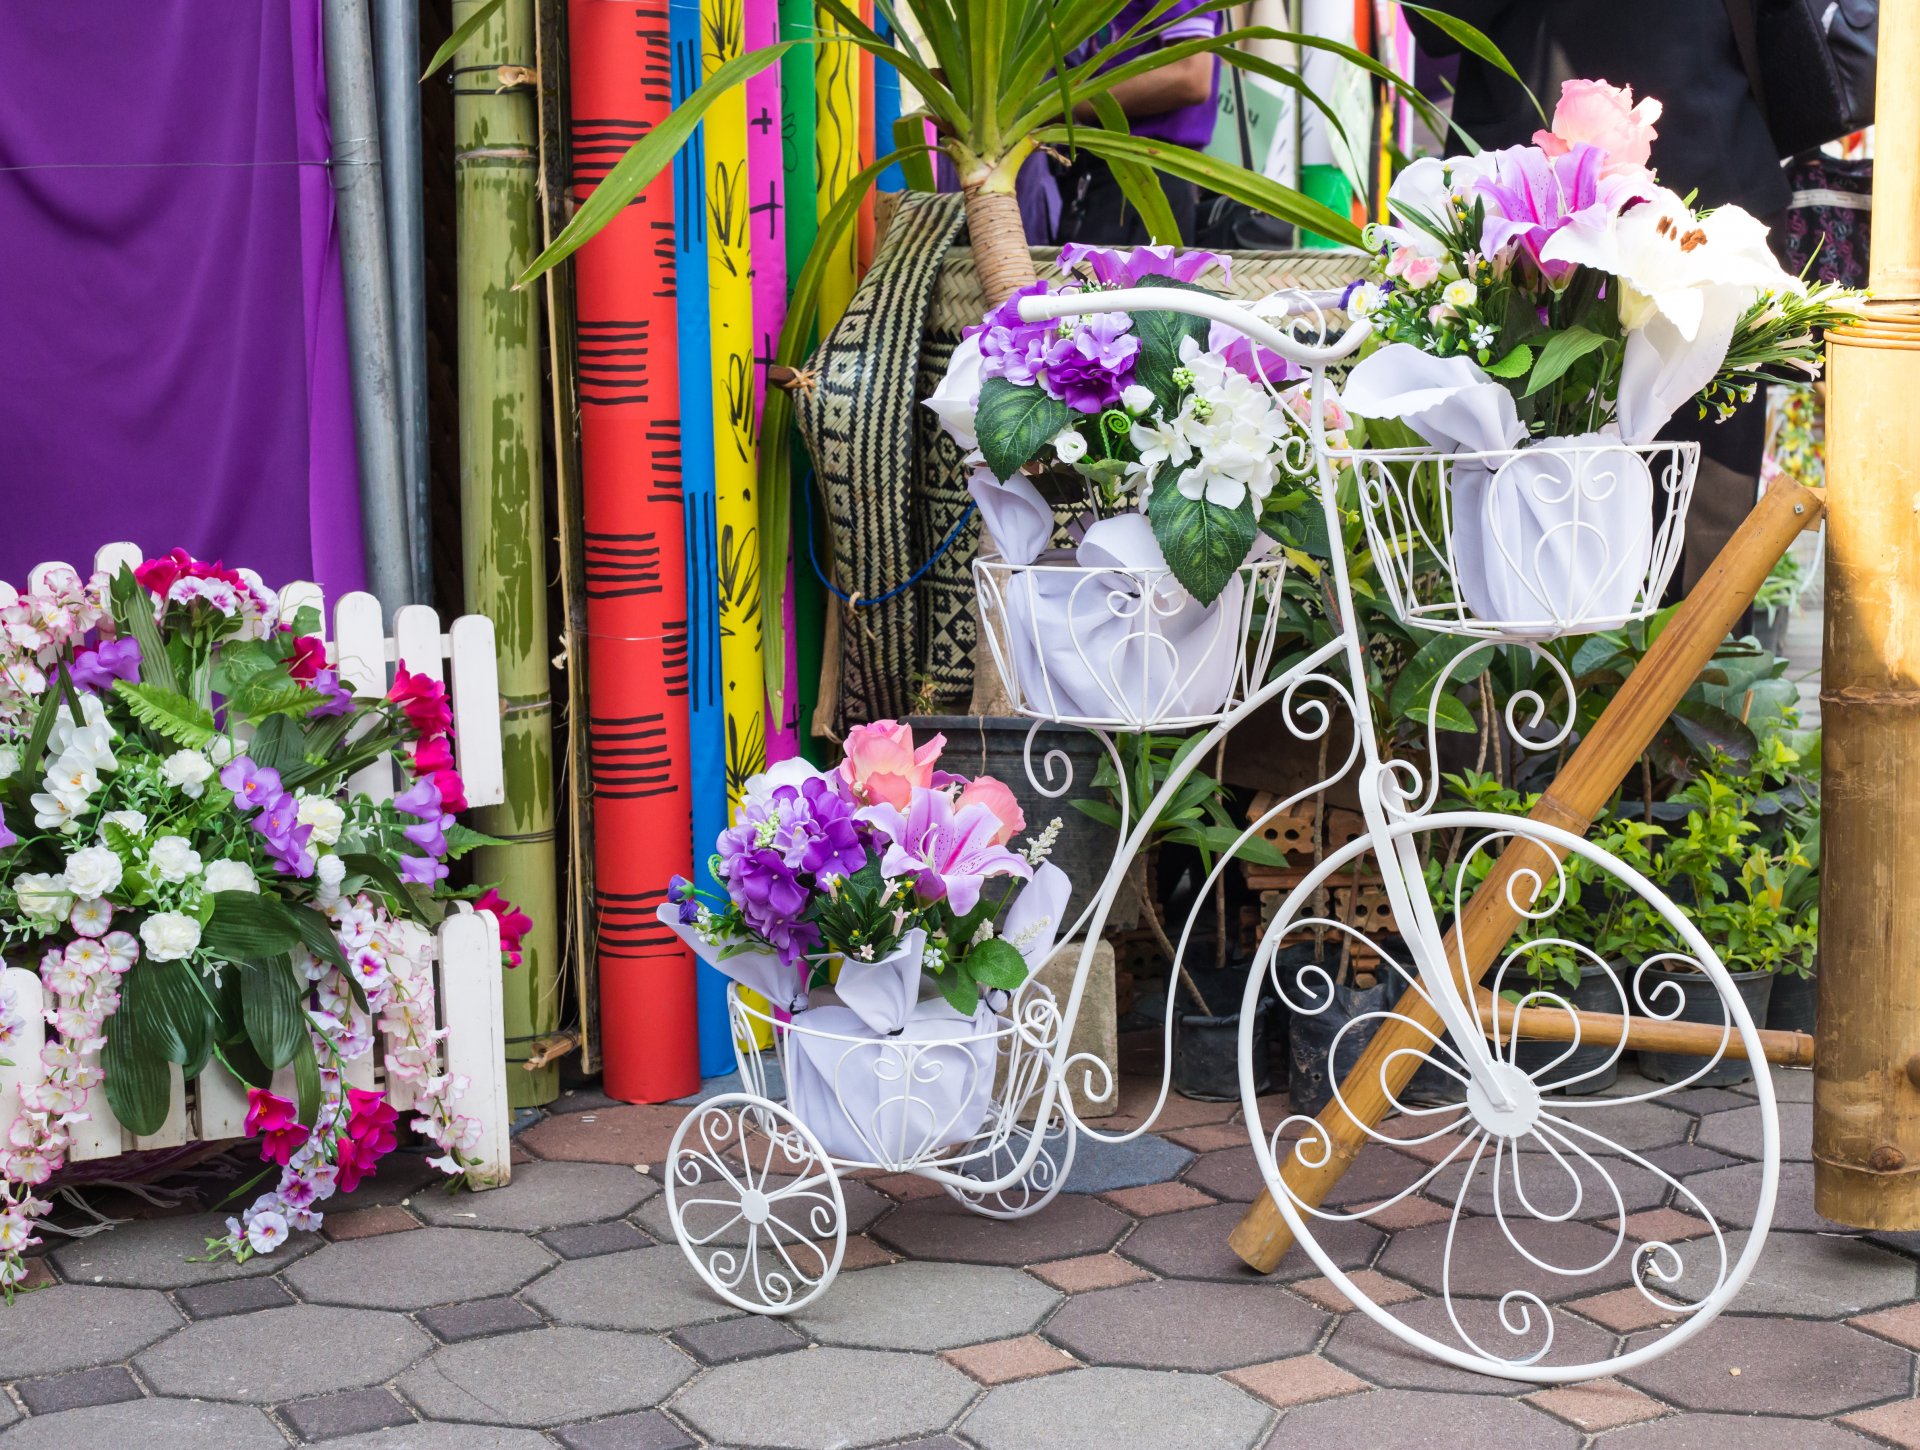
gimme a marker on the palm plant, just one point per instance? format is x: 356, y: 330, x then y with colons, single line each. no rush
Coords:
x: 994, y: 84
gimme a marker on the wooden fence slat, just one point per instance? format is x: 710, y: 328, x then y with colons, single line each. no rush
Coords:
x: 476, y: 709
x: 173, y: 1132
x: 418, y: 643
x: 303, y: 594
x: 476, y: 1034
x: 109, y: 558
x: 221, y: 1104
x: 360, y: 653
x: 20, y: 1060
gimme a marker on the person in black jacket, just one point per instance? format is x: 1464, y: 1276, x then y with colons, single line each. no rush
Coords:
x: 1712, y: 140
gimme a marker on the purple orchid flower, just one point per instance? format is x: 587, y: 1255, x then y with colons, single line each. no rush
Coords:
x: 1092, y: 365
x: 339, y: 698
x: 252, y: 785
x: 7, y: 837
x: 1116, y: 268
x: 430, y: 835
x: 422, y: 870
x: 421, y: 799
x: 948, y: 853
x: 1534, y: 195
x: 113, y: 659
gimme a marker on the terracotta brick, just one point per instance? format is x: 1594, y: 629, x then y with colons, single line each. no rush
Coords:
x: 1897, y: 1423
x: 366, y: 1223
x: 1435, y: 1150
x: 1624, y: 1311
x: 39, y: 1275
x: 1137, y: 1096
x: 1377, y: 1286
x: 1901, y: 1324
x: 1410, y: 1212
x: 1296, y: 1381
x: 905, y: 1187
x: 1157, y: 1198
x: 1662, y: 1225
x: 1205, y: 1137
x: 864, y: 1253
x: 631, y: 1134
x: 1598, y: 1405
x: 1089, y: 1271
x: 1002, y: 1361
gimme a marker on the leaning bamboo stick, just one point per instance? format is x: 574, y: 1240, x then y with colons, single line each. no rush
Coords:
x: 1606, y: 753
x: 1643, y: 1034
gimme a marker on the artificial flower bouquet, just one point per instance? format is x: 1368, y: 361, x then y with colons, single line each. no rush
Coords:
x: 882, y: 908
x: 1555, y: 297
x: 182, y: 859
x: 1152, y: 413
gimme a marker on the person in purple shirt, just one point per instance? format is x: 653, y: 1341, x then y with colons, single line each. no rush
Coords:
x: 1175, y: 103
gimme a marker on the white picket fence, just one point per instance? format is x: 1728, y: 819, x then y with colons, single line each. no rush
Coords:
x: 467, y: 946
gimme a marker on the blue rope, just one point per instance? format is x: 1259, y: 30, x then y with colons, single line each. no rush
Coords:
x: 912, y: 579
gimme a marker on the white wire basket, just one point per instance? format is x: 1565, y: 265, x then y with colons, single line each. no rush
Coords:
x: 1125, y: 648
x: 1564, y: 537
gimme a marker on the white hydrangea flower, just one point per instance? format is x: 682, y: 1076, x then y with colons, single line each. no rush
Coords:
x: 173, y: 860
x: 230, y: 876
x: 188, y: 772
x: 92, y: 872
x: 42, y: 896
x: 325, y: 815
x: 170, y: 936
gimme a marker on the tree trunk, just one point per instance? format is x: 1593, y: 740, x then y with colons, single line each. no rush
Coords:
x: 1005, y: 264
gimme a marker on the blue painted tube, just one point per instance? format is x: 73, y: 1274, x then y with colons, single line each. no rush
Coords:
x: 707, y: 740
x: 886, y: 110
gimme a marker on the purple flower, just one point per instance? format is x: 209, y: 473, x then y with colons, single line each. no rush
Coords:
x: 279, y: 819
x: 1112, y: 268
x: 430, y: 835
x: 768, y: 893
x: 680, y: 894
x: 7, y: 838
x: 96, y: 669
x: 422, y: 870
x: 339, y: 699
x: 1010, y: 348
x: 1091, y: 366
x: 1534, y: 195
x: 252, y: 785
x: 1243, y: 355
x: 948, y: 853
x: 421, y: 799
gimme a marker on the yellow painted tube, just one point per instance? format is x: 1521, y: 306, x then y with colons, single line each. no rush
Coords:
x: 837, y: 143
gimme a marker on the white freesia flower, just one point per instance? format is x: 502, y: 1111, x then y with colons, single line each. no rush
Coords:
x: 957, y: 398
x: 53, y: 811
x: 173, y: 860
x: 92, y: 872
x: 1069, y: 445
x: 1136, y: 398
x: 325, y: 815
x: 187, y: 771
x: 221, y: 749
x: 1224, y: 439
x: 230, y: 876
x: 42, y: 896
x: 132, y: 822
x: 169, y: 936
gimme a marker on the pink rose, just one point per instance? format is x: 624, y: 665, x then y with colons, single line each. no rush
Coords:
x: 1604, y: 116
x: 882, y: 764
x: 1422, y: 272
x: 984, y: 790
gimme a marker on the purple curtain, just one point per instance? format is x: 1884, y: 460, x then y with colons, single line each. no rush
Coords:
x: 173, y: 363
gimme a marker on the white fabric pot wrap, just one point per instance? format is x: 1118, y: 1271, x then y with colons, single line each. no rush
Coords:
x: 882, y: 994
x: 891, y: 1100
x: 783, y: 986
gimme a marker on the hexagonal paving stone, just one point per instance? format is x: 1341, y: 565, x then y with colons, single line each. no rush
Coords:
x: 1379, y: 1172
x: 1101, y: 1167
x: 73, y: 1326
x: 1639, y: 1127
x: 1732, y: 1432
x: 429, y: 1436
x: 1789, y: 1367
x: 1096, y: 1409
x: 413, y: 1270
x: 939, y: 1228
x: 545, y: 1377
x: 1817, y: 1275
x: 822, y: 1399
x: 542, y: 1196
x: 1404, y: 1420
x: 927, y: 1306
x: 1361, y: 1345
x: 1193, y: 1245
x: 1587, y: 1191
x: 151, y: 1425
x: 647, y: 1289
x: 1730, y: 1195
x: 154, y: 1253
x: 1738, y: 1132
x: 399, y: 1176
x: 629, y: 1134
x: 1484, y: 1262
x: 864, y: 1206
x: 283, y: 1354
x: 1179, y: 1324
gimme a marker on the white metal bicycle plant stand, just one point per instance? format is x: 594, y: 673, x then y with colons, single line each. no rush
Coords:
x: 1522, y: 1165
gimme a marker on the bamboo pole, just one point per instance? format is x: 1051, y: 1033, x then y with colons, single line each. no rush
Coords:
x: 1645, y: 1034
x: 1605, y: 754
x: 1866, y: 1084
x: 503, y: 531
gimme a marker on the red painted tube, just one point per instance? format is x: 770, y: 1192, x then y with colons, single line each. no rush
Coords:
x: 635, y: 559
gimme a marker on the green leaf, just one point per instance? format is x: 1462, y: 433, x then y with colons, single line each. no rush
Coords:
x: 306, y: 1081
x: 174, y: 1017
x: 33, y: 756
x: 133, y: 612
x: 248, y: 928
x: 462, y: 33
x: 276, y: 743
x: 381, y: 873
x: 1513, y: 365
x: 1161, y: 333
x: 960, y: 989
x: 462, y: 839
x: 1139, y: 184
x: 139, y: 1088
x: 1447, y: 713
x: 909, y: 133
x: 271, y: 1005
x: 168, y: 713
x: 1204, y: 543
x: 266, y: 697
x: 317, y: 932
x: 1563, y: 349
x: 1419, y: 675
x: 1014, y: 423
x: 997, y: 963
x: 243, y: 1062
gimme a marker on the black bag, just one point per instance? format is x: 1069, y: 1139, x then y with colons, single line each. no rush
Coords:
x: 1226, y: 225
x: 1811, y: 65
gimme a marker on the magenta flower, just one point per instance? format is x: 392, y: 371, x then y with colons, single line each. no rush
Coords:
x: 949, y: 852
x: 1091, y: 366
x: 1114, y: 268
x: 1534, y: 195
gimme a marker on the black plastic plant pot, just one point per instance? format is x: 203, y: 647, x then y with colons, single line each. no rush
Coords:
x: 1576, y: 1075
x: 1702, y: 1004
x: 1791, y: 1007
x: 1206, y: 1055
x: 1313, y: 1069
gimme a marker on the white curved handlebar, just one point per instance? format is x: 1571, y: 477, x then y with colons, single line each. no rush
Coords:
x: 1194, y: 304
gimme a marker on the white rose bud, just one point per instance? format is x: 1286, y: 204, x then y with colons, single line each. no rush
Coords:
x: 92, y: 872
x: 169, y: 936
x: 331, y: 870
x: 221, y: 749
x: 1069, y: 445
x: 173, y: 859
x: 43, y: 897
x: 325, y: 815
x: 132, y: 822
x: 188, y: 772
x: 1460, y: 294
x: 230, y: 876
x: 1136, y: 398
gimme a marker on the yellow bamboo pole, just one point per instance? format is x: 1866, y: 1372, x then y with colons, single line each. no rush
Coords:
x: 1866, y: 1085
x: 1605, y: 755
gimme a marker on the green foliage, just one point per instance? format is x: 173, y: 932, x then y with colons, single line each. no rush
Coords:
x: 1014, y: 423
x: 168, y: 713
x: 1204, y: 542
x: 1195, y: 815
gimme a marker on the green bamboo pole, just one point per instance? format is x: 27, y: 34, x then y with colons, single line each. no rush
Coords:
x: 503, y: 529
